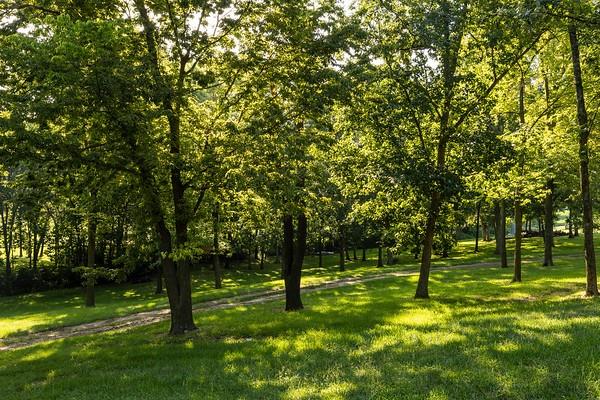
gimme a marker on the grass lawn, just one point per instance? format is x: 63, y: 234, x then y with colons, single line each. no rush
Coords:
x: 34, y: 312
x: 479, y: 337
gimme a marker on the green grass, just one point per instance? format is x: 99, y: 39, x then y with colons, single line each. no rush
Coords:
x: 479, y: 337
x: 39, y: 311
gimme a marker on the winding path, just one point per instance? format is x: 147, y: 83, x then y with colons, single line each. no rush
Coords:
x: 150, y: 317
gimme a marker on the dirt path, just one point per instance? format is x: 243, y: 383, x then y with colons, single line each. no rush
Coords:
x: 150, y: 317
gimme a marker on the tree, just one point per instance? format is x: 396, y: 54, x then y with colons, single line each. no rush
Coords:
x: 584, y: 161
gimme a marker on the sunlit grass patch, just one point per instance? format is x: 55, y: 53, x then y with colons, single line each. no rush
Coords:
x: 476, y: 338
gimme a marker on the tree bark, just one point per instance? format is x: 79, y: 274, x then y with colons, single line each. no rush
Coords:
x: 177, y: 274
x: 342, y: 247
x: 380, y: 256
x: 159, y: 280
x: 477, y: 226
x: 518, y: 238
x: 497, y: 239
x: 216, y: 250
x: 518, y: 208
x: 586, y: 197
x: 485, y: 228
x: 570, y: 222
x: 8, y: 220
x: 293, y: 257
x: 549, y: 223
x: 434, y: 210
x: 501, y: 235
x: 90, y: 291
x: 320, y: 251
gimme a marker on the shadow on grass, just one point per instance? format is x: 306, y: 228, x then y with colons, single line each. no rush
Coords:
x: 480, y: 337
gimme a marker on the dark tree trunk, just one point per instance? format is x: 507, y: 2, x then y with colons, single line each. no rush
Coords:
x: 8, y: 220
x: 518, y: 236
x: 256, y: 247
x: 584, y: 133
x: 501, y: 236
x: 342, y: 258
x: 518, y: 207
x: 423, y: 284
x: 293, y: 257
x: 364, y: 254
x: 185, y: 321
x: 119, y: 238
x: 380, y: 256
x: 29, y: 245
x: 90, y: 291
x: 320, y: 251
x: 549, y: 222
x: 56, y: 242
x: 20, y: 236
x: 159, y: 280
x: 570, y: 222
x: 477, y: 226
x: 497, y: 235
x: 485, y: 230
x: 177, y: 275
x: 216, y: 250
x: 342, y: 248
x: 354, y: 254
x: 38, y: 245
x: 390, y: 256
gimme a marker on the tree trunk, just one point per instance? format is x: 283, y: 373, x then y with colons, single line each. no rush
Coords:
x: 423, y: 284
x: 497, y: 229
x: 293, y: 257
x: 570, y: 223
x: 29, y: 245
x: 380, y: 255
x: 390, y: 256
x: 177, y: 275
x: 518, y: 208
x: 477, y: 227
x: 8, y: 220
x: 549, y: 222
x: 90, y: 291
x: 434, y: 210
x: 501, y: 235
x: 485, y: 230
x: 159, y: 280
x: 364, y: 254
x: 20, y: 236
x: 38, y: 245
x: 342, y: 247
x: 584, y: 133
x: 518, y: 237
x: 216, y: 251
x: 320, y: 248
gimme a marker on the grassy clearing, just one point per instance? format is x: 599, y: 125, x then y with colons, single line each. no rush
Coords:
x: 479, y: 337
x: 29, y: 313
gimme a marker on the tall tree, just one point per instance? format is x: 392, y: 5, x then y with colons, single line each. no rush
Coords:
x: 584, y: 162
